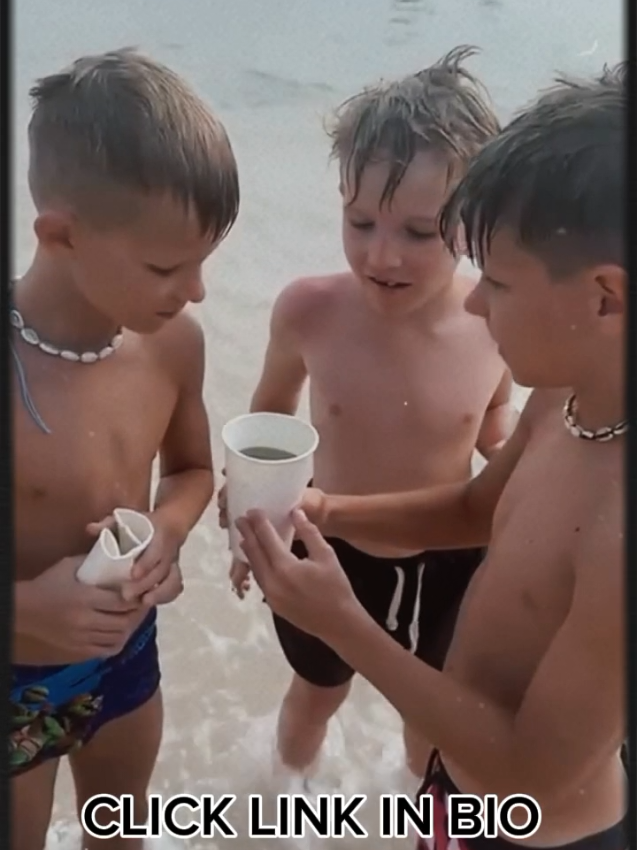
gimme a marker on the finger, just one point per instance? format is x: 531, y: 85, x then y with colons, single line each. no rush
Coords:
x: 110, y: 602
x: 146, y: 562
x: 167, y: 591
x: 261, y: 568
x: 316, y: 545
x: 261, y: 564
x: 137, y: 588
x: 268, y: 537
x: 96, y: 528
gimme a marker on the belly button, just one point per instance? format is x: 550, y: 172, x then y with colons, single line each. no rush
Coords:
x: 335, y: 409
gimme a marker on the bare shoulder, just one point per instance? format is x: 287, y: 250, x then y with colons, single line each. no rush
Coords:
x: 306, y: 301
x: 180, y: 347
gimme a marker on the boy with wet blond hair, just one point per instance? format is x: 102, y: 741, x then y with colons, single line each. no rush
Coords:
x: 404, y: 383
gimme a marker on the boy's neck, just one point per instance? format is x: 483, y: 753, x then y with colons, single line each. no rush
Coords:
x: 448, y: 300
x: 600, y: 395
x: 51, y: 305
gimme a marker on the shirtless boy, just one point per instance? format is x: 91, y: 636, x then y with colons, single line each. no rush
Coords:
x: 531, y: 697
x: 134, y: 184
x: 404, y: 384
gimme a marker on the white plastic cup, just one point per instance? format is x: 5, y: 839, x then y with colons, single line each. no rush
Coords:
x: 110, y: 561
x: 272, y: 486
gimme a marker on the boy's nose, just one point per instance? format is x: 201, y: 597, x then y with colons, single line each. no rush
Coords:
x: 196, y: 290
x: 383, y: 255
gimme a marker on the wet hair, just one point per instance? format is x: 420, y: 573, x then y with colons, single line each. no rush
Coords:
x: 115, y: 128
x: 442, y: 108
x: 556, y: 177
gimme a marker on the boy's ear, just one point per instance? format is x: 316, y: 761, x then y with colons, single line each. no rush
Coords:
x: 610, y: 285
x: 54, y: 231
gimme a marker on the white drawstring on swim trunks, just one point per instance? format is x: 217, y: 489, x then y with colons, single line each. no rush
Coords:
x: 394, y: 607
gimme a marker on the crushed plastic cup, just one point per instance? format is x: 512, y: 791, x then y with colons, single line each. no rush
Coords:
x: 110, y: 561
x: 272, y: 486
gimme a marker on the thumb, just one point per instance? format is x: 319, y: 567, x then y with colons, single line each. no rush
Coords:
x: 96, y: 528
x: 316, y: 545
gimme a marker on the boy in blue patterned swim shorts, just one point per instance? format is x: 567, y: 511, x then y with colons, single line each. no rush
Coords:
x: 135, y: 184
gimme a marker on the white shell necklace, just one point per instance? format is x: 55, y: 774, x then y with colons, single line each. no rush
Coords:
x: 601, y: 435
x: 32, y: 338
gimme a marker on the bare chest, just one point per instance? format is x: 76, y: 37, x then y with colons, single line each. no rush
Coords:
x: 410, y: 404
x: 522, y: 594
x: 106, y: 423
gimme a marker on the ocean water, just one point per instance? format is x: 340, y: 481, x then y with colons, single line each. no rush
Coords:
x: 273, y: 69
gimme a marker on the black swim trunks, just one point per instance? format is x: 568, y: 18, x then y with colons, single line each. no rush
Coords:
x: 415, y: 599
x: 438, y: 783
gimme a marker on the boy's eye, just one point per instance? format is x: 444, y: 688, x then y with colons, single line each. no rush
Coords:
x: 418, y: 234
x: 494, y: 284
x: 362, y: 225
x: 161, y: 271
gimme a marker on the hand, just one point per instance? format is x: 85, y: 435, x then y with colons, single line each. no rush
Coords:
x: 156, y: 575
x: 80, y: 620
x: 313, y: 593
x: 240, y: 577
x: 314, y: 506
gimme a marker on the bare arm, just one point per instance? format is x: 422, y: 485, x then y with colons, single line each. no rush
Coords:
x: 187, y: 483
x: 447, y: 517
x: 572, y: 716
x: 284, y: 373
x: 499, y: 421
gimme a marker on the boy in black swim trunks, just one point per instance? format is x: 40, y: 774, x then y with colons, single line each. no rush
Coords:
x: 134, y: 184
x: 404, y: 384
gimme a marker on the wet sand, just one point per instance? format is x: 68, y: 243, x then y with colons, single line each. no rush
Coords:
x: 273, y: 71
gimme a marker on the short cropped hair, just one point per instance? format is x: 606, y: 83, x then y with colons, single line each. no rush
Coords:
x: 556, y: 177
x: 118, y: 125
x: 442, y: 108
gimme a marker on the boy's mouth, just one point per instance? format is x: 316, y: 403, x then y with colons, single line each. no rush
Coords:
x: 389, y: 284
